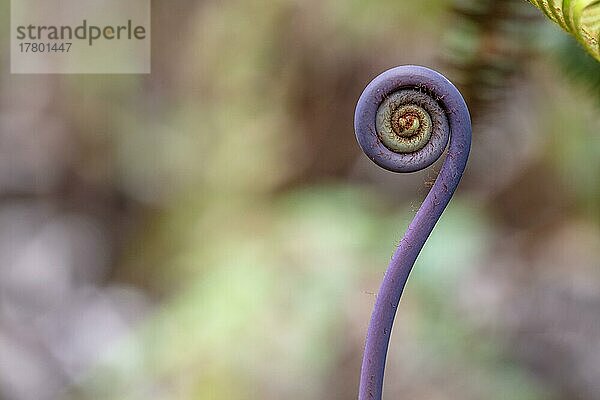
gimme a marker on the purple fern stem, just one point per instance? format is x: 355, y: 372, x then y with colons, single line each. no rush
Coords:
x: 405, y: 119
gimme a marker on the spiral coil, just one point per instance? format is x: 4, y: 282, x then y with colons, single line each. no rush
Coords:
x: 404, y: 120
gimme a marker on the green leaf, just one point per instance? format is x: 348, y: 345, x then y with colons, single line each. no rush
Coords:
x: 581, y: 18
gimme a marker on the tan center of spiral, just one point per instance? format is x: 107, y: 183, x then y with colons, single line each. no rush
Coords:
x: 403, y: 128
x: 405, y: 124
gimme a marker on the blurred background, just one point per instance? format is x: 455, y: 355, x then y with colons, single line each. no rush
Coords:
x: 212, y: 230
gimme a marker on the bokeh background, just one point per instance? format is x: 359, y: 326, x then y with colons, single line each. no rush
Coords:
x: 212, y: 231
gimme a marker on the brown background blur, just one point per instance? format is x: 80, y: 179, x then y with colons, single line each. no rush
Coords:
x: 212, y: 231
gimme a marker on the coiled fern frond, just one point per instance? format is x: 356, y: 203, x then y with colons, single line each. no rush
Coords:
x: 581, y: 18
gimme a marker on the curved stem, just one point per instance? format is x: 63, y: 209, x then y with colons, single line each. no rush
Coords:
x: 380, y: 327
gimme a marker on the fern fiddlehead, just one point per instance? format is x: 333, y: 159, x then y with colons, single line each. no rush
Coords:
x: 405, y: 119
